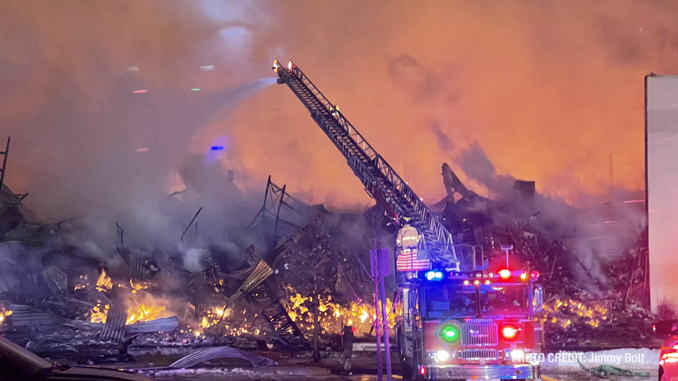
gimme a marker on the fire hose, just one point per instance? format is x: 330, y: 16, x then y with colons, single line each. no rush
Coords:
x: 603, y: 371
x: 608, y: 370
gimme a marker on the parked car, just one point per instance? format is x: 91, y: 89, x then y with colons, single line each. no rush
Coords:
x: 668, y: 355
x: 17, y: 363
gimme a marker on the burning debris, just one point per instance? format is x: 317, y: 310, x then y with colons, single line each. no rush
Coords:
x: 306, y: 283
x: 141, y: 298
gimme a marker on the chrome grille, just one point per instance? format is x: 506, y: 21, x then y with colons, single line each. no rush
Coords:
x: 479, y: 354
x: 479, y: 333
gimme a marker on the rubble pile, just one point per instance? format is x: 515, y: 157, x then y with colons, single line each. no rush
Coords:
x: 577, y: 317
x: 592, y: 263
x: 64, y: 299
x: 64, y: 302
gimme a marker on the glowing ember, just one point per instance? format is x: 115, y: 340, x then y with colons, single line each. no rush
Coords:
x: 560, y: 310
x: 214, y: 316
x: 3, y: 315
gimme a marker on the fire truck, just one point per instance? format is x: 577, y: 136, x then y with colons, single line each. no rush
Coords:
x: 460, y: 315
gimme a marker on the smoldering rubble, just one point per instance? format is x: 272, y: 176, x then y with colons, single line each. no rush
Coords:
x: 593, y: 261
x: 65, y: 295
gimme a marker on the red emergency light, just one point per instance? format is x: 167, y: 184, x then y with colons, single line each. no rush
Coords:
x: 509, y: 332
x: 422, y: 370
x: 504, y: 274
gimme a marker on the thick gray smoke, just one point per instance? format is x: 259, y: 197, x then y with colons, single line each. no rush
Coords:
x: 605, y: 227
x: 120, y: 97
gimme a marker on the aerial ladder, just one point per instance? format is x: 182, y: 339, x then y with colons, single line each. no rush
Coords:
x: 379, y: 179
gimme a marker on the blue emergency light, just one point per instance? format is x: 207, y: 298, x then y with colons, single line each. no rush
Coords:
x: 434, y: 275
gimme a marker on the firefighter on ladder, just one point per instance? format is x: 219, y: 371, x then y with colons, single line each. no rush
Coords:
x: 334, y: 110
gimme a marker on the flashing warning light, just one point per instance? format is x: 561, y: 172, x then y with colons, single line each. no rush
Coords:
x: 276, y: 65
x: 476, y: 282
x: 217, y: 148
x: 504, y: 274
x: 450, y: 333
x: 434, y: 275
x: 422, y: 370
x: 509, y: 332
x: 523, y: 276
x: 290, y: 65
x: 534, y: 276
x: 465, y: 283
x: 487, y: 281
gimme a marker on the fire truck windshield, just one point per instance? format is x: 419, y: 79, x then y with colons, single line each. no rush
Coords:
x: 445, y: 301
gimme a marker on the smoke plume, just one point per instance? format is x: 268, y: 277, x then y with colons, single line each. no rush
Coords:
x: 541, y: 88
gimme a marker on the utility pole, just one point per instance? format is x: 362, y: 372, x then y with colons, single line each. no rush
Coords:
x: 374, y: 259
x: 4, y: 153
x: 384, y: 267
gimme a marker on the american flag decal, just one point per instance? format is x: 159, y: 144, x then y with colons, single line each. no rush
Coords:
x: 409, y: 260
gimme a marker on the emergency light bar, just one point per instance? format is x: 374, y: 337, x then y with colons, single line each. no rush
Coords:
x: 434, y: 275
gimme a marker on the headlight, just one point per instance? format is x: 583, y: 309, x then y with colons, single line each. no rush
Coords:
x: 442, y: 355
x: 517, y: 355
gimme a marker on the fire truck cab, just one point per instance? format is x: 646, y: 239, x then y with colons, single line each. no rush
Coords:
x: 470, y: 325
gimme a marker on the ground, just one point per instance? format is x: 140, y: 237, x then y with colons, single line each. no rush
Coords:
x: 364, y: 368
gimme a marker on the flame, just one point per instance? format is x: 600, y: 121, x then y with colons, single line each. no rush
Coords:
x: 99, y: 313
x: 3, y: 314
x: 592, y: 314
x: 215, y: 315
x: 143, y: 312
x: 333, y: 315
x: 137, y: 286
x: 104, y: 282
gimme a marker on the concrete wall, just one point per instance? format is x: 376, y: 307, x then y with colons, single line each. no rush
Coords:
x: 662, y: 185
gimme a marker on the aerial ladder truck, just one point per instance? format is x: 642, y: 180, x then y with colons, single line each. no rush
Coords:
x: 461, y: 316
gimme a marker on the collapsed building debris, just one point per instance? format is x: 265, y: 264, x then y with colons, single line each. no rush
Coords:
x: 144, y: 299
x: 591, y: 300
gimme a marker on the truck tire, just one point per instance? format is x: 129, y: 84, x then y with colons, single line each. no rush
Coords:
x: 406, y: 371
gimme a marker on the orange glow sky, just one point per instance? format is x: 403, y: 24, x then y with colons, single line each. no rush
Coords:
x: 549, y: 90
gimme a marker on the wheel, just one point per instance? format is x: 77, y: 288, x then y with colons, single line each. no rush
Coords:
x: 407, y: 372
